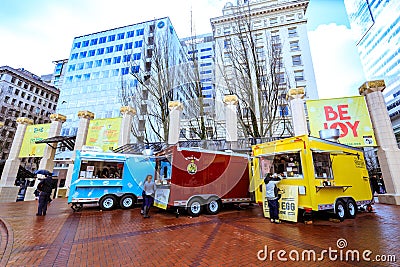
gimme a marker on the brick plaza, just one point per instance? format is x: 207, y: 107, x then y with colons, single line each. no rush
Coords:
x: 234, y: 237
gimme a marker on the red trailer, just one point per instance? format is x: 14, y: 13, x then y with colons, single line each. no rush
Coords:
x: 199, y: 179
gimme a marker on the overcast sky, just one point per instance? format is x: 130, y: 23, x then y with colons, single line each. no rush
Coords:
x: 35, y: 33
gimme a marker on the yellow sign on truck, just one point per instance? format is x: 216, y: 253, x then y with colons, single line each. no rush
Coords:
x: 328, y: 175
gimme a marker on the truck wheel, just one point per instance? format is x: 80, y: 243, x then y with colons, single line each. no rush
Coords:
x: 108, y: 202
x: 213, y: 206
x: 351, y: 209
x: 194, y: 208
x: 340, y: 210
x: 127, y: 201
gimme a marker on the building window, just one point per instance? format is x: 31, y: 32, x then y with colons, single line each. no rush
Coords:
x: 135, y: 69
x: 89, y: 65
x: 86, y: 76
x: 124, y: 71
x: 79, y: 66
x: 130, y: 34
x: 204, y: 57
x: 299, y: 75
x: 85, y: 43
x: 111, y: 38
x: 107, y: 61
x: 118, y: 48
x: 82, y: 54
x: 128, y: 45
x: 150, y: 40
x: 206, y: 49
x: 281, y: 78
x: 205, y: 71
x: 205, y: 64
x: 109, y: 49
x: 138, y: 43
x: 117, y: 60
x: 273, y: 21
x: 137, y: 56
x: 284, y: 111
x: 74, y: 56
x: 71, y: 67
x: 115, y: 72
x: 126, y: 58
x: 294, y: 46
x: 91, y: 53
x: 121, y: 36
x: 98, y: 62
x: 93, y: 42
x: 296, y: 60
x: 105, y: 73
x: 139, y: 32
x: 102, y: 40
x: 100, y: 51
x: 292, y: 32
x: 77, y: 45
x: 290, y: 17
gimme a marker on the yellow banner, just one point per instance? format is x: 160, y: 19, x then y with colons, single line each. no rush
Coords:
x: 34, y: 133
x: 288, y: 203
x: 349, y: 114
x: 104, y: 133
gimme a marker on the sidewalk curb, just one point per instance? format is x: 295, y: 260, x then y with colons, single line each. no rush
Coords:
x: 6, y: 243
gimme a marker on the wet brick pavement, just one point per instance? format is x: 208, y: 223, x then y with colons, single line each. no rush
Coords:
x: 231, y: 238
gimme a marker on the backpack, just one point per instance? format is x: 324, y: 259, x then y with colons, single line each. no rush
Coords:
x: 40, y: 186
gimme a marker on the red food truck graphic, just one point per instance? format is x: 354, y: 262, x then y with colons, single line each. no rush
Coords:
x: 199, y: 179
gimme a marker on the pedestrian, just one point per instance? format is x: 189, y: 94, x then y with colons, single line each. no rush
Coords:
x: 150, y: 189
x: 272, y: 195
x: 44, y: 187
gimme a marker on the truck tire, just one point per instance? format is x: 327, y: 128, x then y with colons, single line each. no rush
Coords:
x: 213, y: 206
x: 127, y: 201
x: 107, y: 202
x: 351, y: 209
x: 340, y: 210
x: 194, y: 207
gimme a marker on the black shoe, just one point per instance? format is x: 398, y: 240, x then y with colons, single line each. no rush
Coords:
x: 44, y: 214
x: 37, y: 214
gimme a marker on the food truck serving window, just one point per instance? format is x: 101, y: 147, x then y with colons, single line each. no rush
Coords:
x: 101, y: 169
x: 287, y: 165
x: 322, y: 165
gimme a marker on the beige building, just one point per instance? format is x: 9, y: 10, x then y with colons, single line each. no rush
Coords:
x: 23, y: 94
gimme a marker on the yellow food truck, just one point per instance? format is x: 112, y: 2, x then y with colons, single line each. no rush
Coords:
x: 325, y: 175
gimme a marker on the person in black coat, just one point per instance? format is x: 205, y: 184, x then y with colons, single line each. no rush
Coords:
x: 44, y: 187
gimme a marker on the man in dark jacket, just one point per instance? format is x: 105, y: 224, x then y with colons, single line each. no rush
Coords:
x: 45, y: 187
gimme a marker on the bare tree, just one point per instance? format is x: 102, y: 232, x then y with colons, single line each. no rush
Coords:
x: 252, y: 68
x: 202, y: 124
x: 157, y: 77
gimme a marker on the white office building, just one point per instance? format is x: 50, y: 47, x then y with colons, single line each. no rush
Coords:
x: 267, y: 29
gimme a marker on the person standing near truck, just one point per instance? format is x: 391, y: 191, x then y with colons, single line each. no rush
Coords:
x: 149, y: 188
x: 272, y: 195
x: 44, y: 187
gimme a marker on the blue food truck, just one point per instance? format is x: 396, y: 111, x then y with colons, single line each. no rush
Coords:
x: 108, y: 179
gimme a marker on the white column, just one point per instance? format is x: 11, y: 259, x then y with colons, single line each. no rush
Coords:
x: 8, y: 192
x: 81, y: 135
x: 126, y: 125
x: 47, y: 162
x: 298, y: 111
x: 175, y: 110
x: 231, y: 121
x: 388, y: 152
